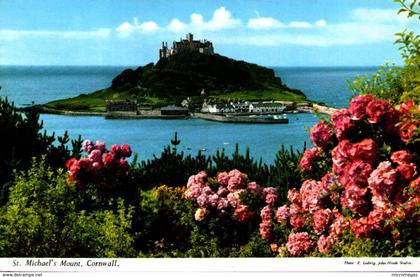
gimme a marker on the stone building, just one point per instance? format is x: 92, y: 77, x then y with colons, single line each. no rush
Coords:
x: 203, y: 46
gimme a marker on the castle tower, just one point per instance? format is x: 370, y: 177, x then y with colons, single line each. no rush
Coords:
x: 190, y: 37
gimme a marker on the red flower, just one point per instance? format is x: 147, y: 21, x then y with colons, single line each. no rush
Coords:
x: 406, y: 107
x: 320, y: 134
x: 309, y: 158
x: 407, y: 171
x: 299, y: 244
x: 401, y: 157
x: 365, y: 150
x: 126, y: 150
x: 322, y: 219
x: 297, y: 221
x: 107, y: 159
x: 243, y: 213
x: 70, y: 163
x: 342, y: 123
x: 358, y: 105
x: 378, y: 110
x: 406, y: 131
x: 116, y: 150
x: 341, y: 156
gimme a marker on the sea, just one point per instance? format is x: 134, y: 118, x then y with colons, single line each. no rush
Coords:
x: 28, y: 85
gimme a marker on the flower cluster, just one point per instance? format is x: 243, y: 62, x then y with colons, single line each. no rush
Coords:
x: 270, y: 197
x: 100, y: 167
x: 369, y: 187
x: 226, y: 197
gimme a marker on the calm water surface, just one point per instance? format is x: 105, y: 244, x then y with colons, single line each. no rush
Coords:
x: 40, y: 84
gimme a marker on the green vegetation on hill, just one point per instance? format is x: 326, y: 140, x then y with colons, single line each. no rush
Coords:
x: 186, y: 74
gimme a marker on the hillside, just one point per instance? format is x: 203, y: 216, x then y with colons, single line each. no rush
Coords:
x: 186, y: 74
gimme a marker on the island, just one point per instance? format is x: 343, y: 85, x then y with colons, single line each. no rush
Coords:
x: 190, y: 79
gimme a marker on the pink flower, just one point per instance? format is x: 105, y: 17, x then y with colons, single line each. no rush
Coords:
x: 243, y: 213
x: 213, y: 200
x: 99, y: 145
x: 87, y: 146
x: 299, y: 244
x: 377, y: 110
x: 401, y: 157
x: 254, y: 188
x: 342, y: 123
x: 325, y: 243
x: 234, y: 198
x: 200, y: 214
x: 223, y: 179
x: 85, y: 163
x: 382, y: 179
x: 322, y: 219
x: 294, y: 196
x: 95, y: 155
x: 309, y: 158
x: 282, y: 214
x: 312, y: 195
x: 359, y: 172
x: 357, y: 107
x: 222, y: 204
x: 203, y: 200
x: 339, y: 224
x: 200, y: 179
x: 222, y: 192
x: 354, y: 198
x: 270, y: 196
x: 193, y: 191
x: 265, y: 230
x: 321, y: 134
x: 125, y: 150
x: 237, y: 180
x: 266, y: 213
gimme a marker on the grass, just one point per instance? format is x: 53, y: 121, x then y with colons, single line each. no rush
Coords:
x: 263, y: 95
x: 96, y: 101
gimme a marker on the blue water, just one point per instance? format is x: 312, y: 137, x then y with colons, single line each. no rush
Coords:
x: 26, y: 85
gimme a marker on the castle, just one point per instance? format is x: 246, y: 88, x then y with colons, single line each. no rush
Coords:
x: 203, y: 46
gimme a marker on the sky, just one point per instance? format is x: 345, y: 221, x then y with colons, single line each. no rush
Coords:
x: 266, y: 32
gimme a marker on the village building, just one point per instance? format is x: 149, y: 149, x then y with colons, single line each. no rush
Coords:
x: 266, y: 108
x: 202, y: 46
x: 174, y: 111
x: 121, y: 106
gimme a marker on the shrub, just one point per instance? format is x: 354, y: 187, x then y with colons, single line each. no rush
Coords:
x: 370, y: 186
x: 42, y: 219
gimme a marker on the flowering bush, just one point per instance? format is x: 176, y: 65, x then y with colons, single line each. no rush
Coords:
x: 102, y: 168
x: 371, y: 187
x: 232, y: 194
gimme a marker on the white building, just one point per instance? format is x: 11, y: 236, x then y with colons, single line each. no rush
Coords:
x: 266, y: 108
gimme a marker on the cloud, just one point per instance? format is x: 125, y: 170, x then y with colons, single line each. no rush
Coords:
x: 264, y: 23
x: 126, y: 28
x: 378, y: 16
x: 221, y: 19
x: 101, y: 33
x: 177, y: 26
